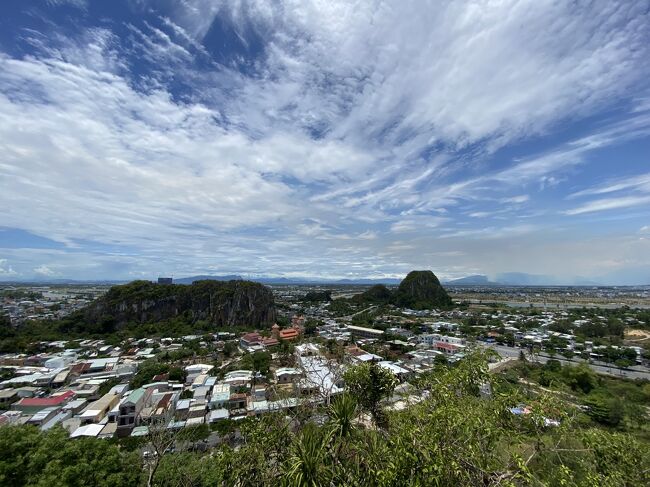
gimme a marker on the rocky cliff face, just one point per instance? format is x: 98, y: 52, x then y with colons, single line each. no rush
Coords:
x: 219, y: 303
x: 421, y: 290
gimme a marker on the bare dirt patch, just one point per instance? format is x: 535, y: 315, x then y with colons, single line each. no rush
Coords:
x: 637, y: 335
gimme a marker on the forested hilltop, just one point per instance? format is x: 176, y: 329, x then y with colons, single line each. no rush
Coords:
x: 143, y: 308
x: 418, y: 290
x: 216, y: 303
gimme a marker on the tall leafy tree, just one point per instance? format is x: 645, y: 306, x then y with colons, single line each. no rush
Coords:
x: 370, y: 383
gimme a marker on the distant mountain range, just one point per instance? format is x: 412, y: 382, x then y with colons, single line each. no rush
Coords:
x: 476, y: 280
x: 288, y: 280
x: 503, y: 279
x: 506, y: 279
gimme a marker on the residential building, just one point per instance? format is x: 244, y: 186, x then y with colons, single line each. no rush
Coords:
x: 220, y: 396
x: 7, y: 396
x: 131, y: 408
x: 287, y: 375
x: 362, y: 332
x: 97, y: 410
x: 43, y: 416
x: 31, y: 405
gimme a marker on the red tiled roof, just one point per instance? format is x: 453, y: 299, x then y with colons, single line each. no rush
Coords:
x: 46, y: 401
x: 446, y: 346
x: 252, y: 337
x: 288, y: 333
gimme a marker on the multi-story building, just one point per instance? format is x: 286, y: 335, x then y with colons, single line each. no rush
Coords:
x: 362, y: 332
x: 130, y: 410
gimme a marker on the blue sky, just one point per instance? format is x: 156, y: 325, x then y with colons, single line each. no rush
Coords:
x: 325, y: 138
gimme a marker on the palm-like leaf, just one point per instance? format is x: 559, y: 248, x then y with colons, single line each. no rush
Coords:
x: 342, y: 412
x: 307, y: 463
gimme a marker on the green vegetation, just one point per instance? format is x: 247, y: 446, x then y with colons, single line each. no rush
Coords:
x: 318, y: 296
x: 418, y: 290
x: 141, y: 306
x: 377, y: 294
x: 146, y: 372
x: 31, y: 457
x: 370, y: 384
x: 615, y: 403
x: 143, y: 309
x: 453, y: 435
x: 257, y: 362
x: 6, y: 330
x: 421, y: 290
x: 341, y: 307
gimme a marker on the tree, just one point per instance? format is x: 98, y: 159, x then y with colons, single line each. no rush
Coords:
x: 146, y: 372
x: 370, y: 384
x: 286, y: 353
x: 440, y: 359
x: 257, y: 361
x: 189, y: 469
x: 604, y: 410
x: 159, y: 440
x: 581, y: 378
x: 310, y: 327
x: 229, y: 349
x: 623, y: 363
x: 568, y: 354
x: 16, y: 446
x: 177, y: 374
x: 31, y: 457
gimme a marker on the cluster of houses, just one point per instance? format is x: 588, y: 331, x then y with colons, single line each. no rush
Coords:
x: 44, y: 302
x: 63, y: 389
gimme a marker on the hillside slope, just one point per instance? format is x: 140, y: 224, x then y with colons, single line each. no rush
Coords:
x: 421, y: 290
x: 232, y: 303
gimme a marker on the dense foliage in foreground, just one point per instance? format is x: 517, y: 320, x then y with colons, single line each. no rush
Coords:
x: 457, y: 435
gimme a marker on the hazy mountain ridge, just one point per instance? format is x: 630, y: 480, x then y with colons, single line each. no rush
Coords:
x: 502, y: 279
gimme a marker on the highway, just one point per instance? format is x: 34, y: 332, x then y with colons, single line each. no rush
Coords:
x: 635, y: 372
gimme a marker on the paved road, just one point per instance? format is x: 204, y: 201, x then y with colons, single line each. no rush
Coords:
x: 636, y: 372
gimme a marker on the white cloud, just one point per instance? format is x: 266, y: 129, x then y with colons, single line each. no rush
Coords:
x: 351, y: 127
x: 522, y: 198
x: 76, y: 3
x: 44, y: 270
x: 609, y: 204
x: 6, y: 270
x: 398, y: 85
x: 492, y: 232
x: 458, y: 73
x: 640, y: 182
